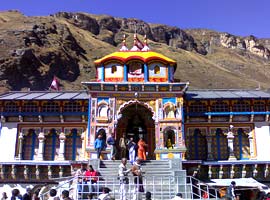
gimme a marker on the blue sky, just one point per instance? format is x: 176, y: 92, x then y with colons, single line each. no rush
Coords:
x: 239, y: 17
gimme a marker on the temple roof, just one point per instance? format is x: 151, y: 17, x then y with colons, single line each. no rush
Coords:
x: 125, y: 56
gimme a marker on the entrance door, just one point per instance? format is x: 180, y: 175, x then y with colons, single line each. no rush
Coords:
x: 137, y: 122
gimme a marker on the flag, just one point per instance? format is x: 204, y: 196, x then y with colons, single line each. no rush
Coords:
x: 54, y: 84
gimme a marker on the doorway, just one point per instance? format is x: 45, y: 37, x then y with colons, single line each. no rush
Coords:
x: 136, y: 122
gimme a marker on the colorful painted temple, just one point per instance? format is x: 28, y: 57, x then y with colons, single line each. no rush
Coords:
x: 216, y: 133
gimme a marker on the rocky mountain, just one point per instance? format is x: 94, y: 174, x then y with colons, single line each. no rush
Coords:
x: 34, y: 49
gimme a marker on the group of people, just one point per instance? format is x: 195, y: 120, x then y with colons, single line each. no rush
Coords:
x: 87, y: 179
x: 29, y: 195
x: 123, y: 172
x: 125, y: 145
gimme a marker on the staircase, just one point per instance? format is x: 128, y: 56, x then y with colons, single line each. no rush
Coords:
x: 157, y: 178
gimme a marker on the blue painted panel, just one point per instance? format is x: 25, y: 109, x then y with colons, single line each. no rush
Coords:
x: 33, y: 145
x: 125, y: 73
x: 145, y: 73
x: 89, y: 117
x: 106, y: 99
x: 166, y: 100
x: 74, y: 144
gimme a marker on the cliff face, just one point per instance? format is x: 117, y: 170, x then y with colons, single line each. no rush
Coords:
x: 34, y: 49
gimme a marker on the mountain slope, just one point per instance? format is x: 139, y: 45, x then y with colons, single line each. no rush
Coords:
x: 34, y: 49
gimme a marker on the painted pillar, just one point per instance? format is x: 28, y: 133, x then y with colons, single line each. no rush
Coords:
x: 102, y: 73
x: 82, y: 154
x: 169, y: 73
x: 20, y: 145
x: 41, y: 139
x: 62, y: 138
x: 209, y: 147
x: 89, y: 119
x: 145, y: 72
x: 230, y: 138
x: 125, y: 73
x: 251, y: 144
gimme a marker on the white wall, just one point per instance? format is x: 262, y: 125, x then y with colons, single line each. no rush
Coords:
x: 262, y: 136
x: 8, y: 141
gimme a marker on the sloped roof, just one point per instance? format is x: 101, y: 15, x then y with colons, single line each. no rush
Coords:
x: 226, y: 94
x: 44, y: 95
x: 125, y: 56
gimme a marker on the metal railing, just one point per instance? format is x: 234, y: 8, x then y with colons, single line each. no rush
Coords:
x: 161, y: 188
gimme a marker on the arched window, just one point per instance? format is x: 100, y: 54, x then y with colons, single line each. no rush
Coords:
x: 51, y: 145
x: 197, y: 107
x: 73, y: 145
x: 72, y: 107
x: 113, y: 69
x: 241, y: 106
x: 103, y: 111
x: 259, y: 106
x: 50, y: 107
x: 169, y: 111
x: 241, y: 145
x: 169, y: 138
x: 30, y: 107
x: 157, y: 69
x: 30, y: 145
x: 11, y: 107
x: 220, y: 146
x: 220, y: 106
x: 197, y: 146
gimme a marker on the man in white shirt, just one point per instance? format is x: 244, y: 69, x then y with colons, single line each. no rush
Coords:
x: 123, y: 178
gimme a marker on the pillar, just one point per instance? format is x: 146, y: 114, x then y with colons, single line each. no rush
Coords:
x: 251, y: 147
x: 62, y: 138
x: 145, y: 72
x: 102, y: 73
x: 230, y: 138
x: 209, y: 147
x: 82, y: 153
x: 125, y: 73
x: 20, y: 145
x: 41, y: 138
x: 26, y: 172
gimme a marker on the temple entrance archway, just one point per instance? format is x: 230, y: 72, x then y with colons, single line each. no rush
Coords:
x: 136, y: 121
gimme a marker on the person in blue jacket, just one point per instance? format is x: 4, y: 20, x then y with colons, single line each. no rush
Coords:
x: 99, y: 145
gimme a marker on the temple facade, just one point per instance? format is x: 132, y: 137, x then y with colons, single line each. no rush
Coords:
x: 216, y: 133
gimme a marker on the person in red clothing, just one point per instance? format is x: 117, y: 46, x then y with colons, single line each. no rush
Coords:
x: 91, y: 177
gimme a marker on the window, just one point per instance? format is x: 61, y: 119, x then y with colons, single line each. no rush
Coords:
x: 113, y: 69
x: 170, y: 111
x: 197, y: 107
x: 241, y: 106
x: 259, y: 106
x: 157, y: 69
x: 72, y: 107
x: 11, y: 107
x: 30, y: 107
x: 220, y: 106
x: 50, y: 107
x: 103, y: 110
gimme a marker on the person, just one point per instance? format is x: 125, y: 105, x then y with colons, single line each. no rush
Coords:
x: 178, y: 196
x: 91, y: 177
x: 36, y: 195
x: 65, y: 195
x: 123, y: 178
x: 112, y: 143
x: 230, y: 191
x: 99, y: 145
x: 4, y: 196
x: 132, y: 150
x: 169, y: 144
x: 105, y: 194
x: 148, y: 195
x: 15, y: 194
x: 141, y: 149
x: 27, y: 195
x: 138, y: 181
x: 80, y: 173
x: 123, y: 146
x: 53, y: 194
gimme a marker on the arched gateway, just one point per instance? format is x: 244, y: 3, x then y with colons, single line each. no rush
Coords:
x: 135, y: 119
x: 135, y: 94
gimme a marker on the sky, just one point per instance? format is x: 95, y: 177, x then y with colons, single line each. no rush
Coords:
x: 238, y: 17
